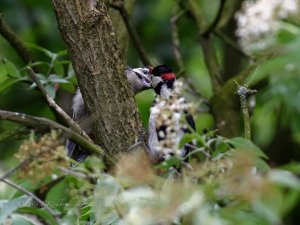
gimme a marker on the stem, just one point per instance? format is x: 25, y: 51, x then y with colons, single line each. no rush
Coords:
x: 15, y: 41
x: 30, y: 194
x: 42, y: 124
x: 176, y: 41
x: 243, y: 91
x: 132, y: 33
x: 56, y: 107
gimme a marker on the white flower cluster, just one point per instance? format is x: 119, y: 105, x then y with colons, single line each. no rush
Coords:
x: 168, y: 114
x: 259, y: 20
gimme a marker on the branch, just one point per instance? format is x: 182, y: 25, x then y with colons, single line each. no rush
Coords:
x: 56, y: 107
x: 243, y: 92
x: 231, y: 43
x: 195, y: 10
x: 214, y: 24
x: 176, y: 50
x: 15, y: 41
x: 13, y: 134
x: 30, y: 194
x: 132, y: 33
x: 74, y: 173
x: 211, y: 61
x: 42, y: 124
x: 210, y: 57
x: 176, y: 41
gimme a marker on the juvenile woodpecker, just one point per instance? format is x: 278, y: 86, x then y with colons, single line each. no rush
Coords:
x: 140, y: 80
x: 169, y: 116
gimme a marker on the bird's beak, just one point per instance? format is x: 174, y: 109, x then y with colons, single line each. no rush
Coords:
x: 147, y: 80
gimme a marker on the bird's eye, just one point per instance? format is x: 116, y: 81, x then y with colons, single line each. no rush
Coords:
x: 145, y: 70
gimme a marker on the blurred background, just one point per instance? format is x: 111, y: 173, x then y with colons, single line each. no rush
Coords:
x: 275, y: 109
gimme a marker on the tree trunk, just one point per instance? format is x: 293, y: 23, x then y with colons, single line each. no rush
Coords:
x: 91, y: 42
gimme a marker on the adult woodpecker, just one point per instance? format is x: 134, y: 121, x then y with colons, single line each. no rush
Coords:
x: 140, y: 80
x: 169, y: 116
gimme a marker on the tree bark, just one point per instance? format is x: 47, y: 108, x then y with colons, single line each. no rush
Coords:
x: 91, y: 42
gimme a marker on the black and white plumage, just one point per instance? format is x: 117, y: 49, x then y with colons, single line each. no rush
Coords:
x: 140, y: 80
x: 170, y: 116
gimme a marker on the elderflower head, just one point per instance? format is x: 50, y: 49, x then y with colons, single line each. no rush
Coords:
x: 258, y: 21
x: 169, y: 114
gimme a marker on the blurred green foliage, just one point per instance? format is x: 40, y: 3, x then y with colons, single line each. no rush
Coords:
x: 275, y: 121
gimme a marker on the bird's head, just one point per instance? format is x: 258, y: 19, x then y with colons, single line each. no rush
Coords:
x: 139, y: 78
x: 162, y: 75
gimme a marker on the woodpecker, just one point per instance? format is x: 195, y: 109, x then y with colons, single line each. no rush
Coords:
x: 169, y: 116
x: 140, y: 80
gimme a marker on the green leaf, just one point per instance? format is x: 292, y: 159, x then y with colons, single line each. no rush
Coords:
x: 204, y: 121
x: 57, y: 197
x: 104, y: 198
x: 50, y: 90
x: 293, y: 167
x: 41, y: 49
x: 57, y: 79
x: 285, y: 178
x: 109, y: 218
x: 86, y: 212
x: 170, y: 162
x: 11, y: 206
x: 245, y: 144
x: 290, y: 200
x: 28, y: 185
x: 41, y: 213
x: 18, y: 219
x: 11, y: 69
x: 8, y: 82
x: 266, y: 212
x: 58, y: 68
x: 186, y: 138
x: 71, y: 73
x: 62, y: 53
x: 38, y: 64
x: 42, y: 78
x: 68, y: 87
x: 3, y: 73
x: 220, y: 147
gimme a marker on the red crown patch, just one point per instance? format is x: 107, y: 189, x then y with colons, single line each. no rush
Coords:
x: 168, y: 76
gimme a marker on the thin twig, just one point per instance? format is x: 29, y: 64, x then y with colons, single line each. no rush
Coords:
x: 196, y: 13
x: 176, y: 41
x: 176, y: 50
x: 56, y: 107
x: 211, y: 61
x: 243, y: 92
x: 15, y: 41
x: 44, y: 124
x: 215, y: 22
x: 209, y: 52
x: 132, y: 33
x: 30, y: 194
x: 196, y: 150
x: 74, y: 173
x: 231, y: 43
